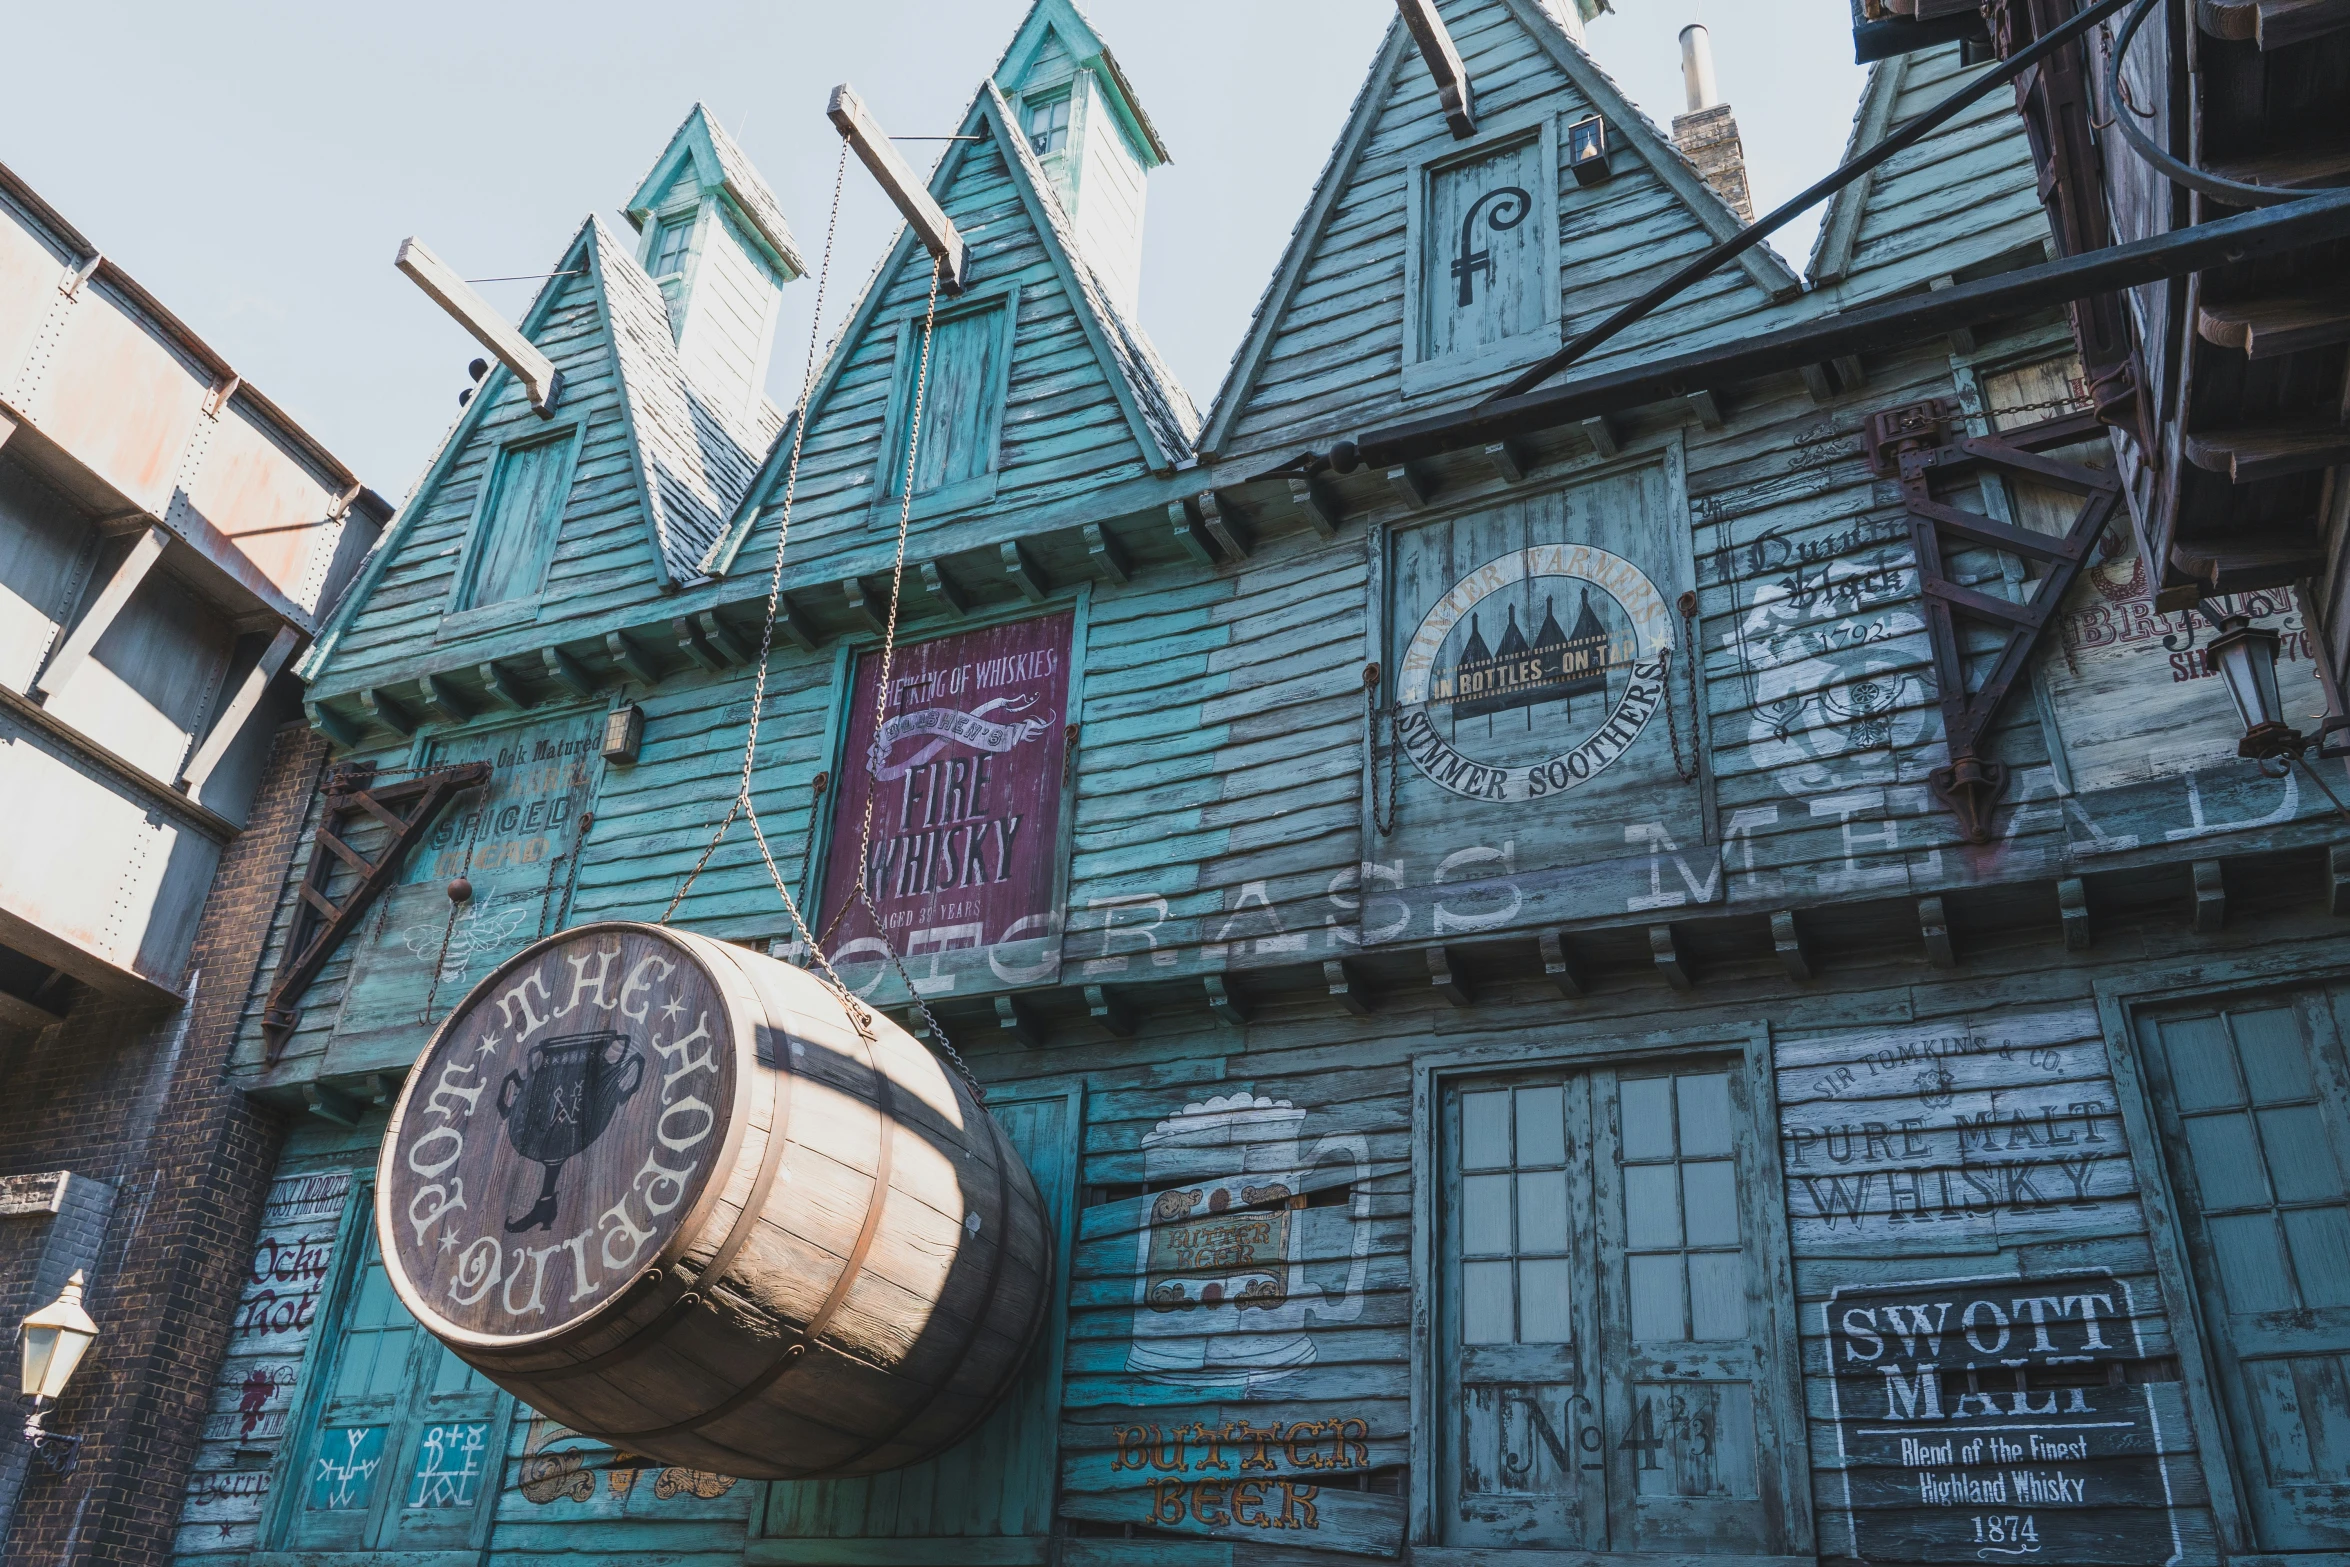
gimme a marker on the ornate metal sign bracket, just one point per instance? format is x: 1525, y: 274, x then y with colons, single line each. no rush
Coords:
x: 320, y: 923
x: 1913, y: 443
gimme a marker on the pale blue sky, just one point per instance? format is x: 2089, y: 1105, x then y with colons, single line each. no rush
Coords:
x: 256, y: 162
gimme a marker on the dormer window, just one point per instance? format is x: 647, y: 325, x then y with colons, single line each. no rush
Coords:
x: 1048, y: 125
x: 670, y: 243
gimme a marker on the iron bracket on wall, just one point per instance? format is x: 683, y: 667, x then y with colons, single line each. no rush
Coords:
x: 407, y: 808
x: 1913, y: 443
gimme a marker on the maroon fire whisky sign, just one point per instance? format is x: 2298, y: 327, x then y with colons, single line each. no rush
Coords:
x: 963, y: 775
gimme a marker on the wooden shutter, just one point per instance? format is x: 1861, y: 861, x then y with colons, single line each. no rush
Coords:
x: 515, y: 532
x: 962, y: 399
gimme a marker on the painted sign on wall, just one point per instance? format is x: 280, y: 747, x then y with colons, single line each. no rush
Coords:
x: 950, y: 809
x: 1996, y: 1420
x: 1294, y: 1480
x: 1221, y: 1297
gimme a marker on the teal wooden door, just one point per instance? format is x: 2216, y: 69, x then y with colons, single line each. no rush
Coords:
x: 1605, y: 1308
x: 407, y: 1441
x: 997, y: 1484
x: 2253, y: 1106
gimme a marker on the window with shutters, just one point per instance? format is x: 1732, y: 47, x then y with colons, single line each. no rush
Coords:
x: 960, y: 393
x: 400, y: 1444
x: 1481, y: 258
x: 1606, y: 1361
x: 515, y: 524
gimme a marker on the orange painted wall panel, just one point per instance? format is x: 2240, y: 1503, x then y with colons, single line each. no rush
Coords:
x: 120, y: 401
x: 269, y: 505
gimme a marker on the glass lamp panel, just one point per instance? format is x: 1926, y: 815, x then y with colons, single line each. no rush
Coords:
x: 2248, y: 663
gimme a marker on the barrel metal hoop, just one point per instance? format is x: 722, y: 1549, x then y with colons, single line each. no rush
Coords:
x: 791, y: 1354
x: 779, y: 1107
x: 995, y: 1272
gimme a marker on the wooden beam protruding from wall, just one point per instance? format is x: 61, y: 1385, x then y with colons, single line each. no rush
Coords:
x: 1026, y: 572
x: 388, y: 710
x: 238, y: 710
x: 1190, y: 533
x: 1794, y: 956
x: 1508, y: 459
x: 1934, y: 926
x: 567, y: 672
x: 725, y: 641
x: 505, y: 689
x: 631, y: 659
x: 943, y: 589
x: 695, y: 646
x: 1316, y: 502
x: 1110, y: 1010
x: 2338, y: 879
x: 898, y: 182
x: 1453, y: 87
x: 1016, y: 1018
x: 1411, y: 486
x: 1665, y: 948
x: 2072, y: 906
x: 795, y: 625
x: 442, y: 697
x: 1449, y: 976
x: 1346, y: 986
x: 1110, y: 559
x: 1600, y: 431
x: 1226, y: 526
x: 104, y: 610
x: 1225, y: 1004
x: 1560, y: 967
x: 469, y: 310
x: 2211, y: 897
x: 873, y: 617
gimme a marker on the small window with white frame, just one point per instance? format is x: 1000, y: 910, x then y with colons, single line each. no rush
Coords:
x: 1047, y: 124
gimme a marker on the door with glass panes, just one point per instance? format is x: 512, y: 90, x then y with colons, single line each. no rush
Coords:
x: 405, y: 1442
x: 2251, y: 1100
x: 1607, y: 1314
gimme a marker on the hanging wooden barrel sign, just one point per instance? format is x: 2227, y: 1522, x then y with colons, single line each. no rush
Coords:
x: 663, y: 1190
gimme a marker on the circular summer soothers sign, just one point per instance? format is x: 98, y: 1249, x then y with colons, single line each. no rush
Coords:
x: 557, y: 1133
x: 1497, y: 712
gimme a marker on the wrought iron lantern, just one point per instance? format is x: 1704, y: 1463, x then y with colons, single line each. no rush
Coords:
x: 2245, y: 657
x: 55, y: 1338
x: 1587, y: 150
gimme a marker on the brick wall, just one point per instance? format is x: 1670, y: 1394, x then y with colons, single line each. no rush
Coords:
x: 133, y: 1096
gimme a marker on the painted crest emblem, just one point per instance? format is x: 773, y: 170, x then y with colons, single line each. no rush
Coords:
x: 1534, y: 673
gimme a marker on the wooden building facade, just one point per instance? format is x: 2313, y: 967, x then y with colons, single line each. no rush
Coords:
x: 1532, y: 1048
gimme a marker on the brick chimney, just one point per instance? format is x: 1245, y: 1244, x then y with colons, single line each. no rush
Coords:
x: 1708, y: 134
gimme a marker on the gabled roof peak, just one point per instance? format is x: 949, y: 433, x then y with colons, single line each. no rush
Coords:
x: 720, y: 166
x: 1060, y: 20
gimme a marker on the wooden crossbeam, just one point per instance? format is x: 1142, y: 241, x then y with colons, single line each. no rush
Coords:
x: 406, y: 808
x: 469, y: 310
x: 1453, y: 88
x: 907, y: 193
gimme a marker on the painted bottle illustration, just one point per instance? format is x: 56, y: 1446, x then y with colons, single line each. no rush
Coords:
x: 1221, y: 1297
x: 567, y: 1094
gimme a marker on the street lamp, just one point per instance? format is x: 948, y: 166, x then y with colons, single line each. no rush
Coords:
x: 2245, y: 657
x: 55, y: 1339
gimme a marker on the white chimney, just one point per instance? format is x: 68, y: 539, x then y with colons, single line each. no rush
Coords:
x: 1697, y: 68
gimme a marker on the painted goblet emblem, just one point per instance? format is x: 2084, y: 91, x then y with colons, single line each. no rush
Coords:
x: 573, y: 1088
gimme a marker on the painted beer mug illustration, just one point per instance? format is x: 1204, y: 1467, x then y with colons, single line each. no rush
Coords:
x: 561, y: 1102
x: 1221, y: 1296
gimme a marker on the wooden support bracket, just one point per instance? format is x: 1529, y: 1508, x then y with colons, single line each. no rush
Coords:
x: 1818, y: 384
x: 1226, y: 1004
x: 2211, y: 896
x: 1508, y: 459
x: 1600, y: 431
x: 1560, y: 967
x: 1226, y: 526
x: 567, y: 672
x: 332, y: 724
x: 1316, y: 502
x: 2338, y: 879
x: 943, y: 589
x: 725, y: 641
x: 694, y: 646
x: 2072, y: 906
x: 332, y: 1104
x: 452, y: 293
x: 1026, y: 574
x: 1453, y: 88
x: 239, y: 709
x: 1449, y: 976
x: 1934, y: 926
x: 873, y: 617
x: 504, y: 689
x: 387, y: 710
x: 907, y: 193
x: 407, y: 808
x: 443, y: 697
x: 1706, y: 407
x: 1110, y: 1010
x: 1665, y: 948
x: 1016, y: 1018
x: 1346, y: 986
x: 631, y: 659
x: 1794, y: 956
x: 121, y: 583
x: 1410, y: 486
x: 1110, y: 560
x: 1189, y: 533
